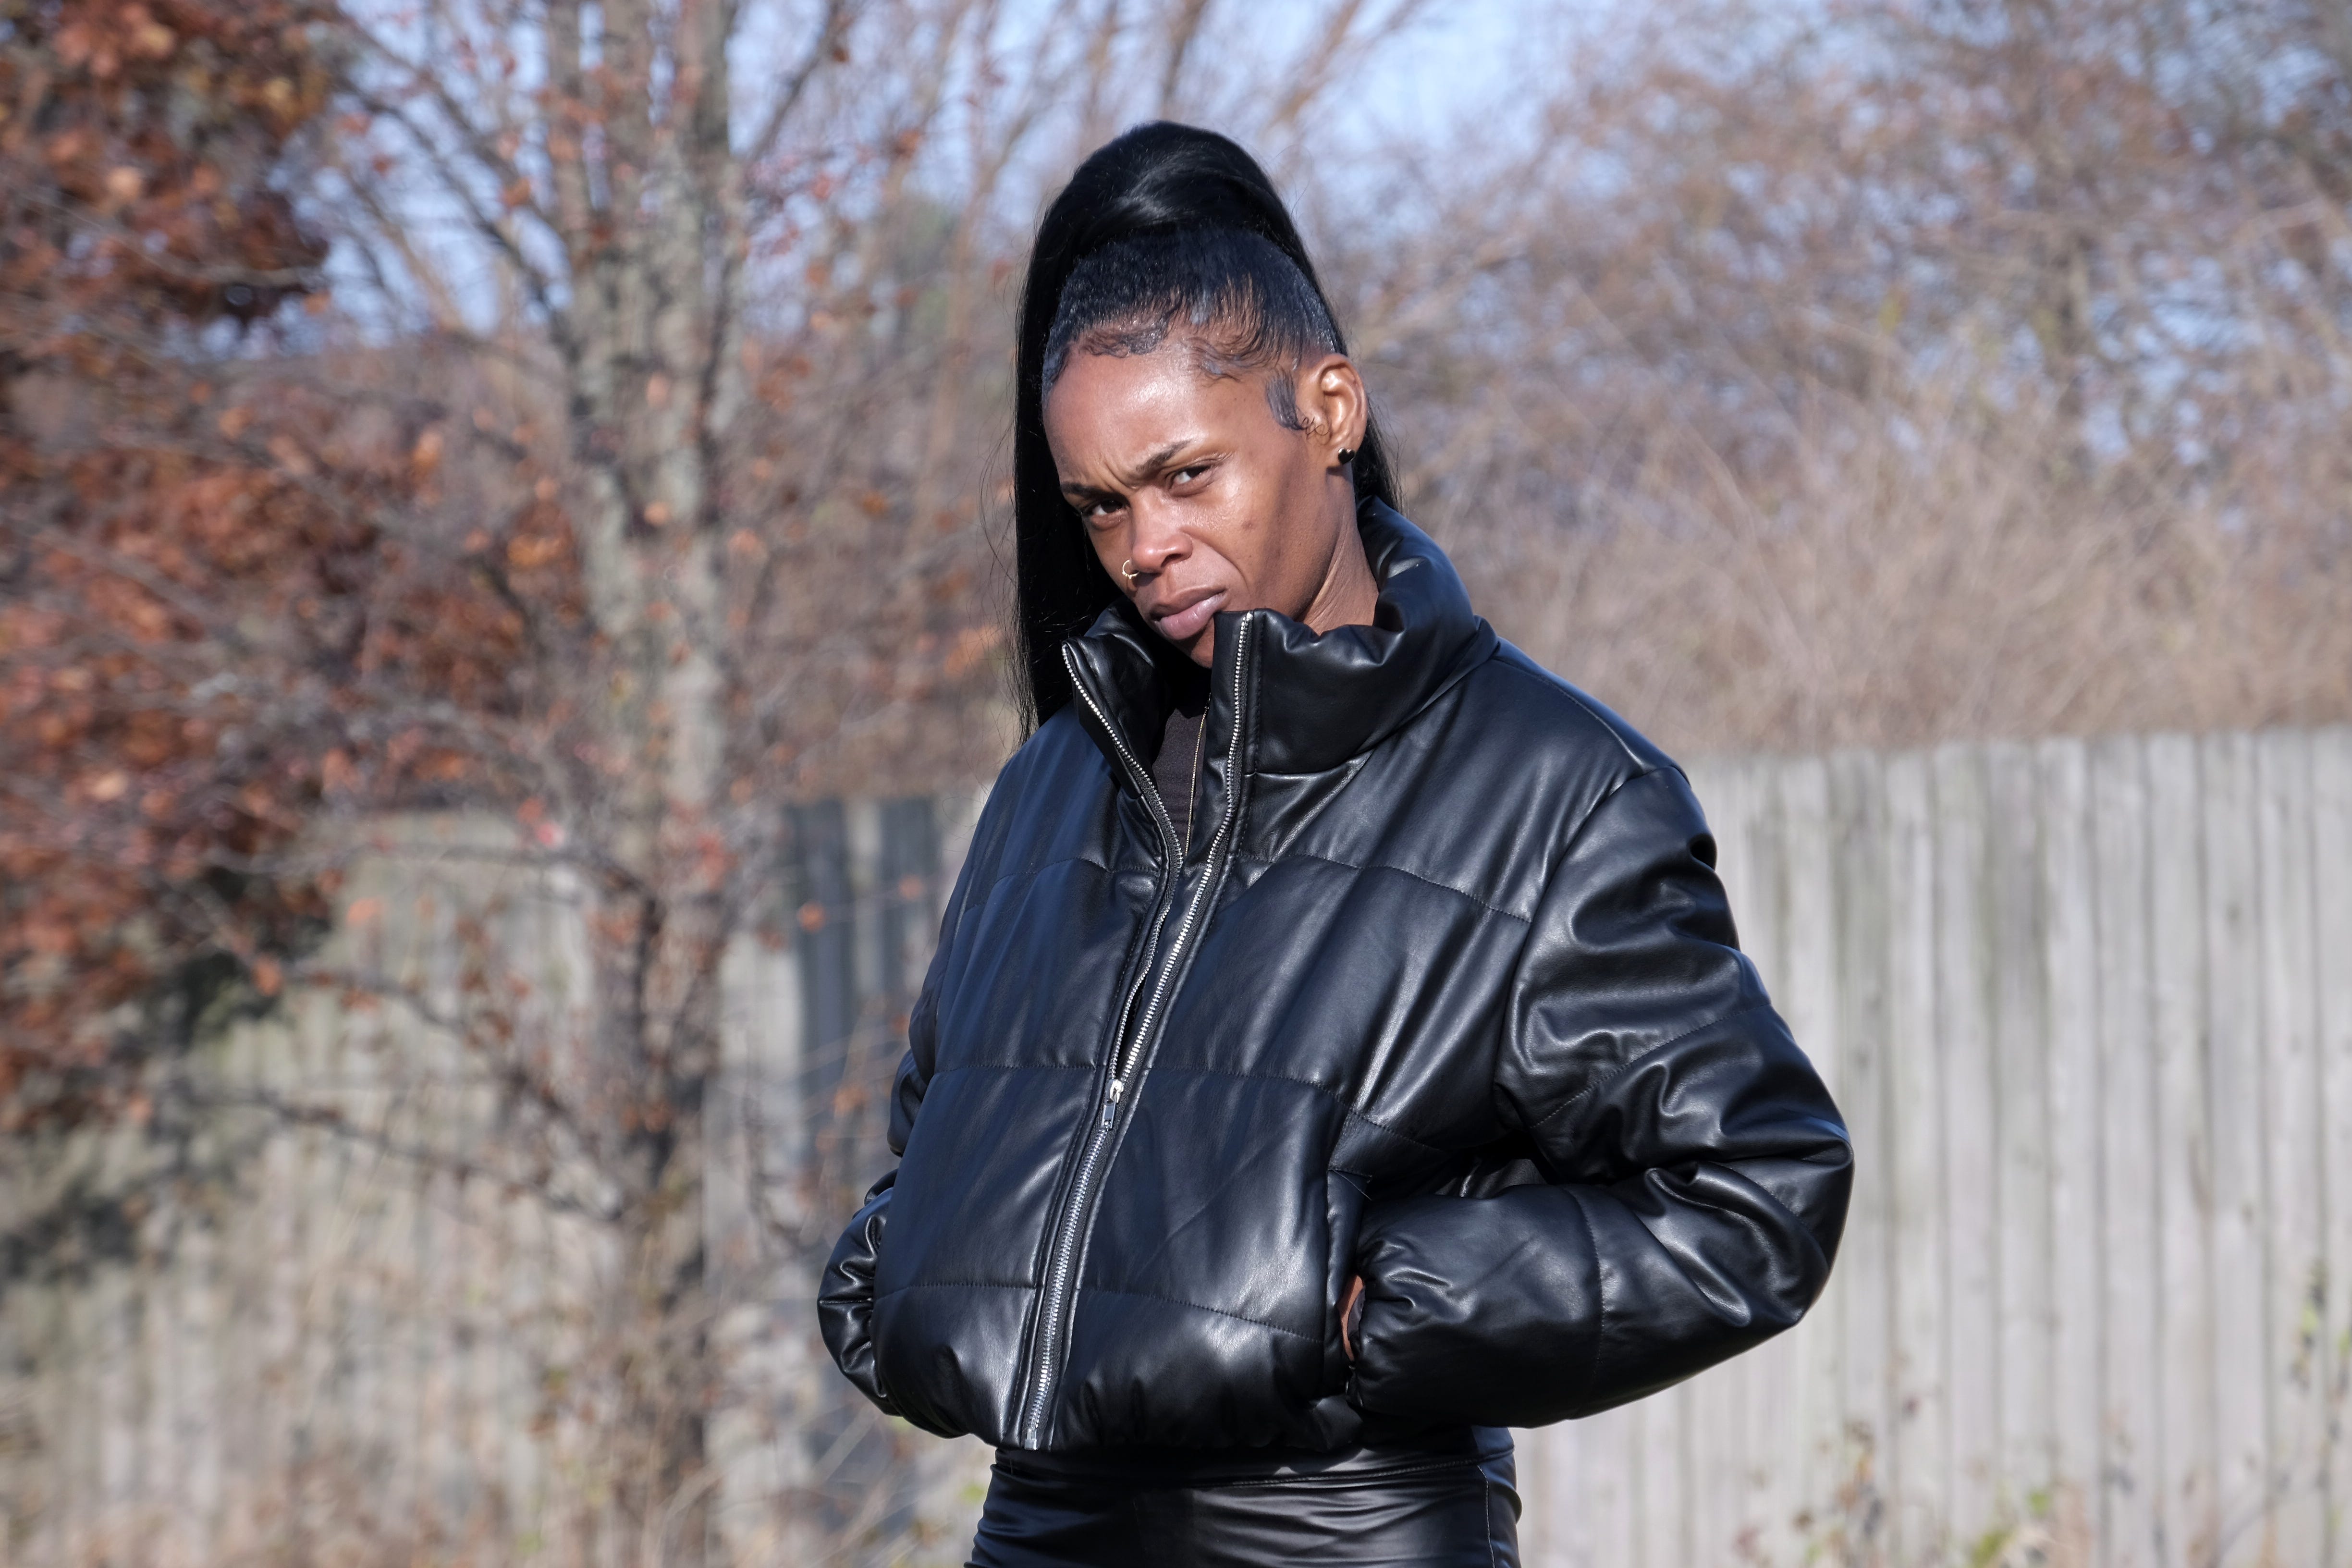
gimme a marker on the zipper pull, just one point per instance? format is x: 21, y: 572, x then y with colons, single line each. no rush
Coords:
x: 1110, y: 1106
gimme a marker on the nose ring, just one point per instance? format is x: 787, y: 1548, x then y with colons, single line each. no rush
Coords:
x: 1127, y: 570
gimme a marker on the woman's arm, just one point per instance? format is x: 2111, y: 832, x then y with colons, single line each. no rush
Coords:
x: 845, y: 1299
x: 1698, y: 1172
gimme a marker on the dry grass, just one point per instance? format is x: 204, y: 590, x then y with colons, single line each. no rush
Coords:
x: 1931, y: 568
x: 1924, y: 371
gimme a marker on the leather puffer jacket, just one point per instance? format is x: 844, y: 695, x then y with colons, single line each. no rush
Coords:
x: 1448, y: 996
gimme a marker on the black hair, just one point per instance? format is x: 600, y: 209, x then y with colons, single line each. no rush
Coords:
x: 1162, y: 222
x: 1245, y: 304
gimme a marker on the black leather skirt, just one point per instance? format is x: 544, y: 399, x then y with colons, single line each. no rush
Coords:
x: 1437, y: 1501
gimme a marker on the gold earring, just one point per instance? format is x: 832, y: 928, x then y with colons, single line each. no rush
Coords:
x: 1127, y: 570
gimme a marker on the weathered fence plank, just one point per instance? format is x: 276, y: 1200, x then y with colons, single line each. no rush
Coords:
x: 2242, y: 1304
x: 1920, y: 1445
x: 2021, y: 1156
x: 1875, y: 1397
x: 2331, y: 860
x: 2133, y: 1369
x: 2069, y: 970
x: 2291, y: 1219
x: 2187, y: 1504
x: 1971, y: 1234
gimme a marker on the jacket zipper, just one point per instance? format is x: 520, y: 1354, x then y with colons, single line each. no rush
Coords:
x: 1127, y: 1050
x: 1171, y: 855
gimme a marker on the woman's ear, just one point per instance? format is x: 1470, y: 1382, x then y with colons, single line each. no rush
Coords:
x: 1331, y: 396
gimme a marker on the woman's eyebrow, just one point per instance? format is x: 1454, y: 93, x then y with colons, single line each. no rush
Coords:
x: 1151, y: 466
x: 1135, y: 475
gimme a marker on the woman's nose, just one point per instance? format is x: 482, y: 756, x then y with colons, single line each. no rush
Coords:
x: 1157, y: 540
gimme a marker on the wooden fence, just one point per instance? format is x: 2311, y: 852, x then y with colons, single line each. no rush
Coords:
x: 2088, y: 1010
x: 297, y: 1311
x: 2087, y: 1007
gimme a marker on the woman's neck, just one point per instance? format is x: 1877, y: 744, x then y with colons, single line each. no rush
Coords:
x: 1348, y: 594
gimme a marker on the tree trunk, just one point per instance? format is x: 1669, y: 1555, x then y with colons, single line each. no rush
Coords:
x: 647, y: 384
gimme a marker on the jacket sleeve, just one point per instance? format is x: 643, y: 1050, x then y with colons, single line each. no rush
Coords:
x: 845, y: 1300
x: 1695, y: 1172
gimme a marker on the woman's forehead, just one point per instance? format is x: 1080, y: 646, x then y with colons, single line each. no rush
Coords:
x: 1118, y: 409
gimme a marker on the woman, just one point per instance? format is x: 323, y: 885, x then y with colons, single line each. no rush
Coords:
x: 1338, y: 1049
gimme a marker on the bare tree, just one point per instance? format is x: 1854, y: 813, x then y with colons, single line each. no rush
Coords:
x: 1894, y: 372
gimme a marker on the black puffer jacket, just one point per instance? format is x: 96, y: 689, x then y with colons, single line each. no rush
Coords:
x: 1448, y: 996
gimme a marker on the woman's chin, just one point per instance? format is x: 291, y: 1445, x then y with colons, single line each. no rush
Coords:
x: 1201, y: 647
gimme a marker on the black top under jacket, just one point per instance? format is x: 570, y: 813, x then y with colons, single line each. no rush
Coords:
x: 1176, y: 769
x: 1448, y: 996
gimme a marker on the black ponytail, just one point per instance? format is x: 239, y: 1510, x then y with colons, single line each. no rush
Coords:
x: 1157, y: 179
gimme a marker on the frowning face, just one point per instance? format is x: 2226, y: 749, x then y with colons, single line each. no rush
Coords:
x: 1186, y: 479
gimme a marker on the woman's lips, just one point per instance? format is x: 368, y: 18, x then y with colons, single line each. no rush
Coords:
x: 1183, y: 626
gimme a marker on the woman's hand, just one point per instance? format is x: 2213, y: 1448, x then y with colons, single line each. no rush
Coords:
x: 1349, y: 1307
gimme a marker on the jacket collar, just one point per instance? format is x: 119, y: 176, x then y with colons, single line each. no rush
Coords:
x: 1306, y: 703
